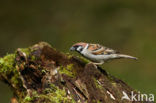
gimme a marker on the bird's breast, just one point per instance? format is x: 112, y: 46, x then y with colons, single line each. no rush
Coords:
x: 97, y: 58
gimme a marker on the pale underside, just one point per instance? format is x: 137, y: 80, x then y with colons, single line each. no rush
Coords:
x: 98, y: 53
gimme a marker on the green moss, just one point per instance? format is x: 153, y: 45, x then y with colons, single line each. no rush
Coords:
x: 27, y: 99
x: 6, y: 63
x: 33, y: 58
x: 26, y: 51
x: 70, y: 67
x: 69, y: 55
x: 9, y: 73
x: 60, y: 97
x: 98, y: 102
x: 14, y: 79
x: 8, y: 70
x: 114, y: 84
x: 68, y: 70
x: 43, y: 71
x: 53, y: 87
x: 54, y: 95
x: 86, y: 61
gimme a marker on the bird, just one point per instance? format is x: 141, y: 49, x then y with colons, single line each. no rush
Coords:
x: 97, y: 53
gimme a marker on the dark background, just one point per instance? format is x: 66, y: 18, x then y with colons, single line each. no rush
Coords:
x: 126, y: 25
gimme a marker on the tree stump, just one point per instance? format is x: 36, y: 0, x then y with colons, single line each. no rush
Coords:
x: 41, y: 74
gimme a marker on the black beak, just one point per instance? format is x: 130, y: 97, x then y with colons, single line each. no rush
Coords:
x: 72, y: 48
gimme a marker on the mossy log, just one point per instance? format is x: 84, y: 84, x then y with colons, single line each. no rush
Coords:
x: 41, y: 74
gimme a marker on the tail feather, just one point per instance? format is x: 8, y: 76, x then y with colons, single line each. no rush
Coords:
x: 126, y: 56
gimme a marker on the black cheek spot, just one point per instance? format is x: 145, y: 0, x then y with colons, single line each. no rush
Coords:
x: 81, y: 49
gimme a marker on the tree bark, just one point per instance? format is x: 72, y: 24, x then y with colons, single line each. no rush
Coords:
x: 41, y: 74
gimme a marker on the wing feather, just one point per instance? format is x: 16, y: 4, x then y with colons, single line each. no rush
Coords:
x: 97, y: 49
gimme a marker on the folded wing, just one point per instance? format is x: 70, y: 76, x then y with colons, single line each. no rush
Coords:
x: 97, y: 49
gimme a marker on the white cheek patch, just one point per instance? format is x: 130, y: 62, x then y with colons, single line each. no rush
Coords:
x: 79, y: 48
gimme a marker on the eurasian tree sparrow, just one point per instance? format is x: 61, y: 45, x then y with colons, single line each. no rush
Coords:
x: 98, y: 54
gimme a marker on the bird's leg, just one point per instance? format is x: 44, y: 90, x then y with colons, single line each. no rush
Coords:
x: 96, y: 64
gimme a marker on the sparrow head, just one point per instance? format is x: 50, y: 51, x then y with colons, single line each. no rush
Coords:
x: 78, y: 47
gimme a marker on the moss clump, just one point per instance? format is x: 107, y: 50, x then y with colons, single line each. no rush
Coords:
x: 33, y: 58
x: 26, y: 50
x: 6, y: 63
x: 60, y: 97
x: 68, y: 70
x: 9, y: 73
x: 8, y: 69
x: 54, y: 95
x: 27, y: 99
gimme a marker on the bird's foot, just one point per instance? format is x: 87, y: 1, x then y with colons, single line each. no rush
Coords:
x: 92, y: 63
x: 96, y: 64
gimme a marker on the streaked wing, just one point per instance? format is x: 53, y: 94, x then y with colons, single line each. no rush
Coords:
x: 97, y: 49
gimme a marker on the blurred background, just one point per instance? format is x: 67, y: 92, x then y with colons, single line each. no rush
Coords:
x: 128, y: 26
